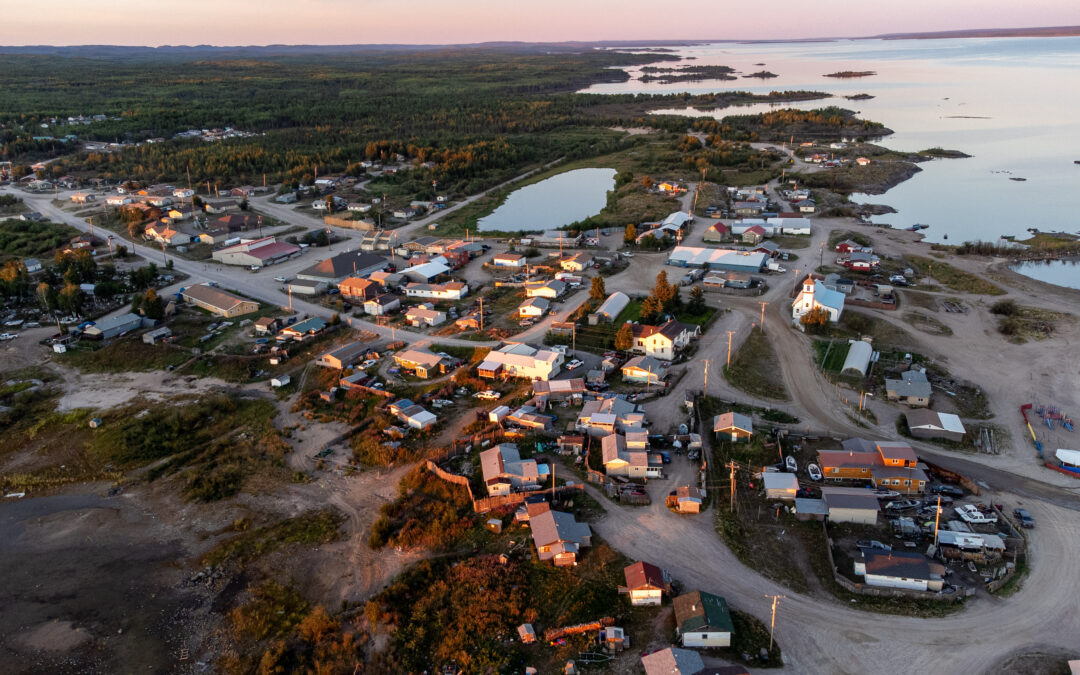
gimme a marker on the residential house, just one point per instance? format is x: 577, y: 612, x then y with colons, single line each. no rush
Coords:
x: 337, y: 268
x: 520, y: 360
x: 733, y: 426
x: 220, y: 206
x: 702, y: 620
x: 644, y: 370
x: 556, y: 238
x: 505, y: 471
x: 413, y: 415
x: 849, y: 246
x: 780, y: 485
x: 663, y: 341
x: 549, y: 289
x: 217, y: 301
x: 509, y: 259
x: 851, y: 505
x: 620, y: 461
x: 388, y: 280
x: 558, y: 536
x: 164, y: 234
x: 606, y: 416
x: 806, y: 206
x: 303, y: 330
x: 753, y: 234
x: 645, y: 584
x: 687, y: 499
x: 534, y: 307
x: 912, y: 389
x: 118, y: 200
x: 152, y: 337
x: 182, y: 212
x: 529, y: 417
x: 344, y: 356
x: 257, y: 252
x: 860, y: 261
x: 356, y: 288
x: 32, y: 265
x: 267, y: 325
x: 673, y: 661
x: 932, y: 424
x: 424, y: 316
x: 886, y: 464
x: 237, y: 222
x: 578, y: 262
x: 83, y: 198
x: 769, y: 248
x: 183, y: 193
x: 382, y: 304
x: 899, y: 569
x: 718, y: 233
x: 559, y: 389
x: 451, y: 290
x: 749, y: 208
x: 423, y: 363
x: 835, y: 282
x: 306, y: 287
x: 814, y: 295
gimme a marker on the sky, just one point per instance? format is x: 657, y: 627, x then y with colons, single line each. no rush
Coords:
x: 260, y: 22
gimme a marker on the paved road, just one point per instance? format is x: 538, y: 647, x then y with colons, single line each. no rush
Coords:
x: 256, y: 285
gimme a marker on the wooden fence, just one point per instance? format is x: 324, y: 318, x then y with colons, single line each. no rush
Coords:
x: 880, y: 592
x: 490, y: 503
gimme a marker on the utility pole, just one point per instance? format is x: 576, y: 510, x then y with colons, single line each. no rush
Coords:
x: 729, y: 334
x: 163, y: 257
x: 573, y: 338
x: 821, y: 255
x: 937, y: 520
x: 762, y: 303
x: 481, y: 313
x: 772, y: 624
x: 705, y: 389
x: 91, y: 221
x: 289, y: 288
x: 731, y: 465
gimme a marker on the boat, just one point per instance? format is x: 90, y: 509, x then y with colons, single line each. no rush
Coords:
x: 882, y: 493
x: 791, y: 464
x: 814, y: 471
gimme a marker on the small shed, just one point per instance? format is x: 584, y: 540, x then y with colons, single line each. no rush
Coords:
x: 280, y: 381
x: 95, y: 423
x: 781, y: 485
x: 733, y: 426
x: 496, y: 415
x: 810, y: 509
x: 526, y: 633
x: 858, y: 358
x: 495, y: 525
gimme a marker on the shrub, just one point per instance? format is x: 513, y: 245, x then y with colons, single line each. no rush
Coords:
x: 1007, y: 307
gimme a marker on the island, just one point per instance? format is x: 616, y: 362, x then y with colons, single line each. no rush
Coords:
x: 847, y: 74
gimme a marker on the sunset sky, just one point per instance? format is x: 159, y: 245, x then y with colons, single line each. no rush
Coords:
x: 246, y: 22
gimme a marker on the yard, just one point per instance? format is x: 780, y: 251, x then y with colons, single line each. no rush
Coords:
x: 952, y: 277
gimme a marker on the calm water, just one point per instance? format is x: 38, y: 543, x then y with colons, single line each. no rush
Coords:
x: 553, y: 202
x: 1060, y: 272
x: 1007, y: 102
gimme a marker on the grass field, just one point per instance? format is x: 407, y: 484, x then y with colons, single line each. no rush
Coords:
x: 952, y: 277
x: 756, y: 369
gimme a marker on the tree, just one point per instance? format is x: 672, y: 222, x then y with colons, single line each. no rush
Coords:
x: 696, y: 305
x: 630, y: 234
x: 597, y: 291
x: 13, y: 279
x: 646, y: 182
x: 135, y: 228
x: 624, y: 338
x: 46, y: 295
x: 70, y: 298
x: 666, y: 293
x: 651, y: 310
x: 153, y: 307
x: 815, y: 319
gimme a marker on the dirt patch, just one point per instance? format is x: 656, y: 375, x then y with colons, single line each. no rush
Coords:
x: 53, y: 636
x: 104, y: 390
x: 927, y: 324
x: 1035, y: 660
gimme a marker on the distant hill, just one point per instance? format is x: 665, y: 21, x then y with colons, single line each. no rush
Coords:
x: 1047, y: 31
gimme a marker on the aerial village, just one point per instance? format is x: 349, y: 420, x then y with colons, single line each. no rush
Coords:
x: 616, y: 405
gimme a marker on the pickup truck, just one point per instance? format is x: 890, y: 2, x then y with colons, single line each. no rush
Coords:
x: 971, y: 514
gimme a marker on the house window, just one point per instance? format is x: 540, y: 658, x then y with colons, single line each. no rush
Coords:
x: 835, y: 470
x: 907, y: 483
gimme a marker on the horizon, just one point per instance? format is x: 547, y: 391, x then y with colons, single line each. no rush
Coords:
x: 330, y: 23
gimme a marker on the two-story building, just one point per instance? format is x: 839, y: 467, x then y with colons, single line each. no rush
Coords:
x: 663, y: 341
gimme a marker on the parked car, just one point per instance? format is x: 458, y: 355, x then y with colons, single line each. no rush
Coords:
x: 367, y: 364
x: 902, y: 505
x: 872, y: 543
x: 1024, y: 518
x: 971, y: 514
x: 814, y: 471
x: 574, y: 364
x: 950, y: 490
x: 8, y: 336
x: 487, y: 395
x: 281, y: 279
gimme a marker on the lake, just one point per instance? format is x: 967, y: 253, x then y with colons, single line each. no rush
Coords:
x: 553, y: 202
x: 1065, y: 272
x: 1005, y: 101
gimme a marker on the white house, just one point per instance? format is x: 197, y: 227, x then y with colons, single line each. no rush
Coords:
x: 815, y: 295
x: 621, y: 461
x: 384, y: 303
x: 520, y: 360
x: 644, y: 370
x: 545, y: 289
x: 514, y: 260
x: 703, y: 620
x: 899, y: 569
x: 645, y: 584
x: 424, y: 316
x: 451, y: 290
x: 534, y: 307
x: 663, y: 341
